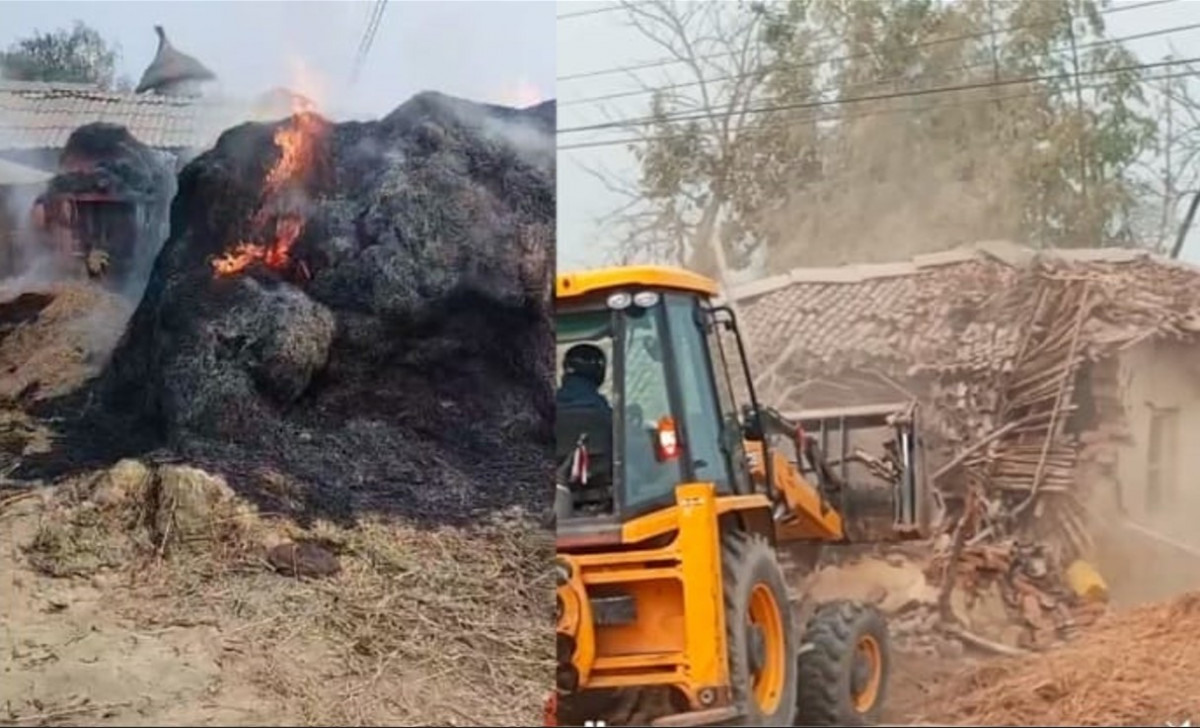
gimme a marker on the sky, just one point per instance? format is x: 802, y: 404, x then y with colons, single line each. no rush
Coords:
x: 501, y: 52
x: 592, y: 36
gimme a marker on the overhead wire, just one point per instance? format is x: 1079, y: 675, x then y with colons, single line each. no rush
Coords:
x: 900, y: 77
x: 583, y: 13
x: 368, y: 39
x: 725, y: 54
x: 700, y: 116
x: 916, y: 109
x: 859, y: 56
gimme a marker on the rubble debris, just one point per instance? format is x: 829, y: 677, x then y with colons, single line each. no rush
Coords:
x: 390, y: 345
x: 1014, y: 358
x: 1023, y: 586
x: 1136, y: 668
x: 894, y: 583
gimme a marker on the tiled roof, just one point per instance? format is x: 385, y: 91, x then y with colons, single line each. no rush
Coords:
x: 958, y: 310
x: 42, y: 115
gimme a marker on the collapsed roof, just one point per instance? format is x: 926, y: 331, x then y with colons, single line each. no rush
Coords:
x: 959, y: 311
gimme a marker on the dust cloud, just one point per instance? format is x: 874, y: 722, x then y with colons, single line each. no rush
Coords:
x: 1141, y: 559
x: 884, y: 199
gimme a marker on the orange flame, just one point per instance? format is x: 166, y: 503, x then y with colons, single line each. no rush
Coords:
x: 297, y: 142
x: 521, y: 94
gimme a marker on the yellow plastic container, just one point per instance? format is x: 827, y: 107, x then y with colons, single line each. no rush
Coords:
x: 1085, y: 580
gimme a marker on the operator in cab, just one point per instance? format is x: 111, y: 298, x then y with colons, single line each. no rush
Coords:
x: 584, y: 368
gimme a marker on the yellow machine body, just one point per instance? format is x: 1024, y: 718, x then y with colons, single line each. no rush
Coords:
x: 666, y: 628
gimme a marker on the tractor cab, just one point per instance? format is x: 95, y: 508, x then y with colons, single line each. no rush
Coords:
x: 648, y: 362
x: 665, y: 380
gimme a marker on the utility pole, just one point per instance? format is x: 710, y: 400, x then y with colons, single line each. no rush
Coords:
x: 1081, y: 145
x: 1169, y: 197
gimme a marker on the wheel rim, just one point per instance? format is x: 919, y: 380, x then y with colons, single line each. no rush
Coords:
x: 868, y: 672
x: 765, y: 618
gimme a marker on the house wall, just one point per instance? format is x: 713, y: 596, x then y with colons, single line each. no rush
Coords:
x: 1150, y: 551
x: 1162, y: 378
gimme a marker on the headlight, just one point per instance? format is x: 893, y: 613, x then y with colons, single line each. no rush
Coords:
x: 645, y: 299
x: 619, y: 301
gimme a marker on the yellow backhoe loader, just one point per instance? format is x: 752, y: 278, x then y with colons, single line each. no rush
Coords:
x: 676, y: 492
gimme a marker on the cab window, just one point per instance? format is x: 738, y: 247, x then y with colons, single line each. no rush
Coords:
x: 701, y: 414
x: 646, y: 400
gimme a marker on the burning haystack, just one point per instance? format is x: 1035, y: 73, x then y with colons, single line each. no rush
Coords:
x: 363, y: 307
x: 105, y: 210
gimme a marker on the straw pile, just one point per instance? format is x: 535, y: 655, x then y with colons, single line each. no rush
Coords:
x: 1137, y: 668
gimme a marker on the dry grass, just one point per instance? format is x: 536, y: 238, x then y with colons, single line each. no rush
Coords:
x: 1137, y: 668
x: 421, y: 627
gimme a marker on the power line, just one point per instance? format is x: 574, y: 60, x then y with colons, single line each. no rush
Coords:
x: 673, y: 61
x: 368, y: 39
x: 791, y: 121
x: 877, y: 81
x: 858, y: 56
x: 869, y: 97
x: 582, y: 13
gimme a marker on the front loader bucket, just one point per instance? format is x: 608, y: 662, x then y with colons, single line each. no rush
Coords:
x: 870, y: 462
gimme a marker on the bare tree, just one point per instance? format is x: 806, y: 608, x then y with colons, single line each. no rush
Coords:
x: 696, y: 144
x: 1173, y: 171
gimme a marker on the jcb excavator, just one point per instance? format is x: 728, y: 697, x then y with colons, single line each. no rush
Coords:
x: 674, y: 492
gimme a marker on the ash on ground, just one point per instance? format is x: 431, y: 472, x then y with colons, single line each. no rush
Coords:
x: 363, y: 308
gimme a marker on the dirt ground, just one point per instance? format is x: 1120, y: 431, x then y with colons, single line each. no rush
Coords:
x: 916, y: 680
x: 1137, y: 665
x: 102, y: 627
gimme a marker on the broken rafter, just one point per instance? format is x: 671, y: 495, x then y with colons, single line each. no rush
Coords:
x: 1064, y: 386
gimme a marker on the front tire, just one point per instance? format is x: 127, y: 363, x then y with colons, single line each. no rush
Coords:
x: 844, y: 672
x: 759, y: 631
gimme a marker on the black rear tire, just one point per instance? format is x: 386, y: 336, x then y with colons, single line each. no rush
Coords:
x: 752, y: 580
x: 844, y: 674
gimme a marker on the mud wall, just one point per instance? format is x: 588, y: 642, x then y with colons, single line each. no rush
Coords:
x: 1145, y: 553
x: 1161, y: 380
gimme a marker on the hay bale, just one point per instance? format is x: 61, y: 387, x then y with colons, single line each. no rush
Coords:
x: 192, y: 505
x: 126, y: 482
